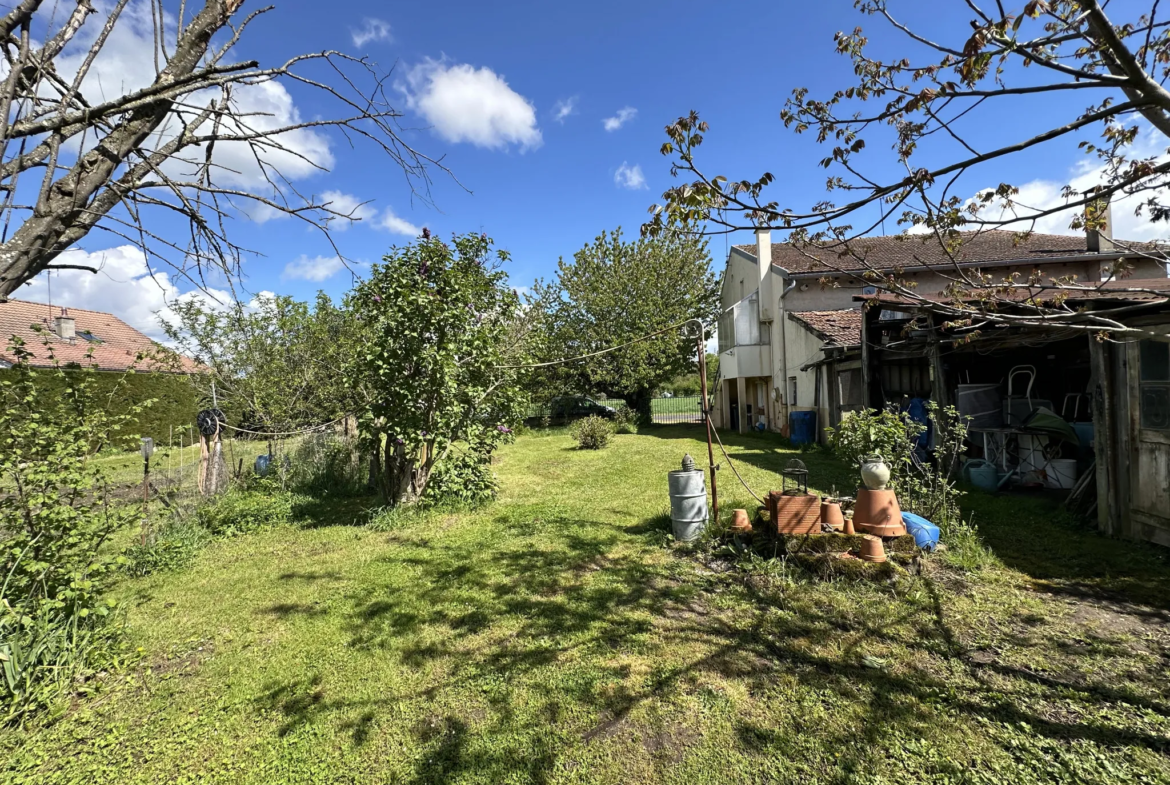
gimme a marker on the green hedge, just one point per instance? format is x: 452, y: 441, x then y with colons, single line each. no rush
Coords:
x: 176, y: 400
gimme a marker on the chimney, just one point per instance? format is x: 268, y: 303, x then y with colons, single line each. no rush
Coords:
x: 764, y: 284
x: 64, y: 326
x: 1099, y: 226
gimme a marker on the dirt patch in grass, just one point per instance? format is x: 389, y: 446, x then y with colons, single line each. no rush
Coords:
x: 670, y: 744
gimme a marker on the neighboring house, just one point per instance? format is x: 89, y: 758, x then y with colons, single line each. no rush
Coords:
x: 78, y: 339
x: 789, y: 342
x: 76, y: 336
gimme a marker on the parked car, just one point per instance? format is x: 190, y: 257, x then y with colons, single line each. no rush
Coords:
x: 575, y: 407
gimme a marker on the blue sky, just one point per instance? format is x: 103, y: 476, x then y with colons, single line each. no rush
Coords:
x: 551, y: 116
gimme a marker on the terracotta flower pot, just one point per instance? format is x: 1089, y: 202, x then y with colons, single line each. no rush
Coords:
x: 872, y: 549
x: 740, y: 524
x: 877, y: 512
x: 848, y: 527
x: 831, y: 514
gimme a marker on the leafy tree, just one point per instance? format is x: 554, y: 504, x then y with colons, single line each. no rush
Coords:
x: 926, y: 106
x: 614, y: 292
x: 275, y: 362
x: 712, y: 372
x: 432, y: 353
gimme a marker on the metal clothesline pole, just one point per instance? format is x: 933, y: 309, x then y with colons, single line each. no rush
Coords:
x: 703, y: 406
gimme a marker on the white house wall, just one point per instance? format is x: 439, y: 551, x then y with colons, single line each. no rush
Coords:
x: 740, y: 279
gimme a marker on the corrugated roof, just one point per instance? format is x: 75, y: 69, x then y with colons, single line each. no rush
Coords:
x: 924, y: 250
x: 114, y: 343
x: 838, y: 327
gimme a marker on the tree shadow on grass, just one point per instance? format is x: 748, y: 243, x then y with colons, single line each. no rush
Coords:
x: 314, y: 512
x: 1069, y: 557
x: 768, y: 451
x: 540, y: 627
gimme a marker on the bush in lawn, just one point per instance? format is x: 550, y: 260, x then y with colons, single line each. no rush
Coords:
x: 463, y: 479
x: 56, y: 627
x: 243, y: 511
x: 626, y: 420
x: 170, y: 547
x: 592, y: 433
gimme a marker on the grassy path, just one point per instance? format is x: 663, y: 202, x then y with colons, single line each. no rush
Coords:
x: 556, y: 637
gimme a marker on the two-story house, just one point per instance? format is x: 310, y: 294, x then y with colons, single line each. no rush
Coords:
x: 790, y: 333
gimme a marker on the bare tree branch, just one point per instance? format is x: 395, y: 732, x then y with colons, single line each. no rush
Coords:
x: 110, y: 164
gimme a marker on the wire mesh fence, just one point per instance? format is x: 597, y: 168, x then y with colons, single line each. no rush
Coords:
x: 677, y: 410
x: 175, y: 466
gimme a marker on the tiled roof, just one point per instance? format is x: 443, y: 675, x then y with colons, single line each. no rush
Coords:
x: 1137, y: 291
x: 115, y: 344
x: 924, y: 250
x: 837, y: 327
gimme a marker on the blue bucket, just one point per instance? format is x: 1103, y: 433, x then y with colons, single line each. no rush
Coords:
x: 803, y: 427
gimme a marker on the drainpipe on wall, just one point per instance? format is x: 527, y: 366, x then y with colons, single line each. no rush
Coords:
x: 783, y: 388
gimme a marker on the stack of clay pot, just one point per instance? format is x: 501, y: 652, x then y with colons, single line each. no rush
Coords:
x: 877, y: 511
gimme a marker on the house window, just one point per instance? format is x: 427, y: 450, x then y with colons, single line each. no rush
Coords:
x: 849, y: 389
x: 1154, y: 384
x: 792, y: 391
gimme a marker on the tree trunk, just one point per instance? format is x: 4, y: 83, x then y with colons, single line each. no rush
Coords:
x: 405, y: 477
x: 639, y: 402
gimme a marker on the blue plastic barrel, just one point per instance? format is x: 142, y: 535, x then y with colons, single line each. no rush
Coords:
x: 803, y: 427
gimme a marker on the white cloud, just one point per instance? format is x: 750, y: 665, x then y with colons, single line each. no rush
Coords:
x: 564, y: 108
x: 371, y: 30
x: 468, y: 104
x: 630, y: 177
x: 623, y: 116
x: 1040, y: 195
x: 123, y: 286
x: 346, y: 204
x: 392, y: 223
x: 312, y: 268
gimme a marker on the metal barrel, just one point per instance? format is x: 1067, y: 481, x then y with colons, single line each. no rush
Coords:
x: 688, y: 504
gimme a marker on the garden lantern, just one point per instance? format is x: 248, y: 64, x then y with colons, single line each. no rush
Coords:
x: 796, y: 473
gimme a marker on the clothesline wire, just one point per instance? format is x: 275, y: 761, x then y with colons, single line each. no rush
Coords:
x: 723, y: 449
x: 310, y: 429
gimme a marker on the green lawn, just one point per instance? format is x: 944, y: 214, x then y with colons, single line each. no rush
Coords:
x: 558, y: 637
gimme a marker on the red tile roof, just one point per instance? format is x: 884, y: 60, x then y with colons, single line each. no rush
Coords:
x: 924, y: 250
x: 837, y: 327
x: 115, y: 344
